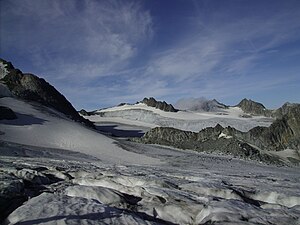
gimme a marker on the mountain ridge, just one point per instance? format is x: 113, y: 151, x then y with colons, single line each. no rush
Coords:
x: 284, y: 133
x: 162, y: 105
x: 30, y: 87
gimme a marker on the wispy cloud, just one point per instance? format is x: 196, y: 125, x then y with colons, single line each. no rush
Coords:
x: 227, y: 55
x: 105, y: 52
x: 76, y: 38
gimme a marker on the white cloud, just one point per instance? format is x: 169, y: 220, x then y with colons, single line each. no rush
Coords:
x: 197, y: 58
x: 76, y: 38
x: 77, y: 45
x: 225, y: 46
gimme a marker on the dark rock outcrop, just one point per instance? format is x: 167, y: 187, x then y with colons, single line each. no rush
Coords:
x: 253, y: 108
x: 282, y: 134
x: 211, y: 140
x: 33, y: 88
x: 122, y: 104
x: 159, y: 105
x: 7, y: 113
x: 285, y: 109
x: 84, y: 112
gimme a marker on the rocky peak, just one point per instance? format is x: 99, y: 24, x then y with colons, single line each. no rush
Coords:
x: 252, y: 107
x: 159, y: 105
x: 5, y: 68
x: 285, y: 109
x: 84, y: 112
x: 31, y: 87
x: 284, y: 133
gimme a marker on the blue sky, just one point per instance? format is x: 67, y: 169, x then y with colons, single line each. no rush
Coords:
x: 102, y: 53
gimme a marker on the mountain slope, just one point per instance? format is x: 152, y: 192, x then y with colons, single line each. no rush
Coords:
x: 159, y: 105
x: 184, y: 120
x: 252, y: 107
x: 33, y: 88
x: 284, y: 133
x: 34, y: 113
x: 38, y: 125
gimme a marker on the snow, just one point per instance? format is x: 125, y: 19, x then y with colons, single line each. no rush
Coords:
x: 60, y: 209
x: 101, y: 194
x: 4, y: 91
x: 189, y: 188
x: 286, y: 154
x: 48, y: 128
x: 56, y: 171
x: 3, y: 70
x: 222, y: 135
x: 143, y: 115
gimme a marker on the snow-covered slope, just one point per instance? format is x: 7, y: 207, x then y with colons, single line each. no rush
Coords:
x: 141, y: 114
x: 41, y: 126
x: 190, y: 188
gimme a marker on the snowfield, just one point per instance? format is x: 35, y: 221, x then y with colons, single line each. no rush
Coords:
x: 189, y: 188
x: 45, y: 127
x: 56, y: 171
x: 143, y: 115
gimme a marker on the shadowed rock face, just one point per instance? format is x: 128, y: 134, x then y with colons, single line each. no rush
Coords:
x: 7, y: 114
x: 84, y: 112
x: 159, y: 105
x: 33, y: 88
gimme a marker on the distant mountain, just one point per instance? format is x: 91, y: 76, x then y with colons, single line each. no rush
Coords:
x: 200, y: 104
x: 159, y: 105
x: 284, y: 133
x: 30, y: 87
x: 287, y: 108
x: 254, y: 108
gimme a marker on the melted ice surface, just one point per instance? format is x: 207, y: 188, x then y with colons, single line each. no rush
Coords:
x: 189, y: 188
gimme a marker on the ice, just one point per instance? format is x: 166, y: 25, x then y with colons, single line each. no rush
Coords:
x: 56, y: 171
x: 143, y: 115
x: 101, y: 194
x: 190, y: 188
x: 222, y: 135
x: 48, y: 128
x: 60, y: 209
x: 277, y: 198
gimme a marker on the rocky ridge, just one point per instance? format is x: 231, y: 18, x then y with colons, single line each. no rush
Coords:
x: 84, y: 112
x: 284, y: 133
x: 159, y: 105
x: 249, y: 106
x: 30, y: 87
